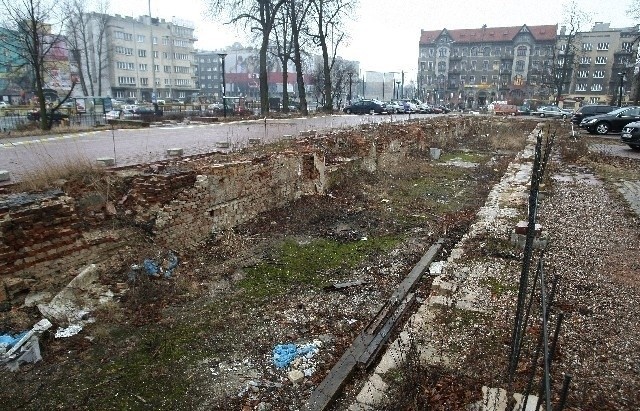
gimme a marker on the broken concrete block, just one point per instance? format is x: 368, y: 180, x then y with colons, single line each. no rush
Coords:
x: 4, y: 175
x: 444, y: 288
x: 175, y: 152
x: 296, y: 376
x: 532, y: 400
x: 435, y: 153
x: 223, y: 144
x: 521, y: 228
x: 106, y: 161
x: 494, y: 399
x: 254, y: 141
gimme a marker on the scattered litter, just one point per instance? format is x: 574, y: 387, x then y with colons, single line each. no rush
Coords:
x: 7, y: 341
x: 69, y: 331
x: 155, y: 268
x: 285, y: 354
x: 25, y: 347
x: 436, y: 267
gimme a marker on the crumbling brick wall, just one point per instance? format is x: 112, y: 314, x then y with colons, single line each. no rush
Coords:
x: 44, y: 236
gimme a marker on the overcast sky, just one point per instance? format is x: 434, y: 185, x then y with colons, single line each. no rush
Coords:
x: 384, y: 34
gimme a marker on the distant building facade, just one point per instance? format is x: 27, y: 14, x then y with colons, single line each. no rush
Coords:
x: 140, y: 56
x: 604, y: 59
x: 473, y: 67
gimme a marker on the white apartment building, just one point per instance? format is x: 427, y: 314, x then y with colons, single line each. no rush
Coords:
x: 140, y: 57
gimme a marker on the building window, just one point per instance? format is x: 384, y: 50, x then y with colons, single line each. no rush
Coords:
x: 520, y: 65
x: 124, y: 50
x: 155, y: 40
x: 626, y: 46
x: 155, y: 54
x: 142, y: 53
x: 183, y: 82
x: 140, y: 38
x: 167, y: 82
x: 128, y: 81
x: 432, y: 52
x: 498, y: 51
x: 474, y: 51
x: 181, y: 69
x: 123, y: 36
x: 472, y: 79
x: 142, y: 67
x: 485, y: 65
x: 442, y: 52
x: 603, y: 46
x: 586, y: 47
x: 430, y: 65
x: 601, y: 60
x: 463, y: 65
x: 596, y: 87
x: 156, y: 67
x: 119, y: 94
x: 165, y: 41
x: 522, y: 51
x: 473, y: 65
x: 486, y: 52
x: 583, y: 73
x: 585, y: 60
x: 125, y: 66
x: 598, y: 74
x: 167, y: 69
x: 144, y: 81
x: 483, y: 79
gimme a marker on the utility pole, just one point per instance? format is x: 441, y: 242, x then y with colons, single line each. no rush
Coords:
x: 402, y: 89
x: 154, y: 95
x: 349, y: 98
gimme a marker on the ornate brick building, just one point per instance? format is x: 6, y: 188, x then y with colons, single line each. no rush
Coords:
x: 473, y: 67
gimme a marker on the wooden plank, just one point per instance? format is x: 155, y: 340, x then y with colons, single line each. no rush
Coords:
x: 369, y: 342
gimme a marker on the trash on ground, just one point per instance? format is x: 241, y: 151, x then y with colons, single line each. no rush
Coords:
x: 285, y: 354
x: 155, y: 268
x: 69, y: 331
x: 25, y: 347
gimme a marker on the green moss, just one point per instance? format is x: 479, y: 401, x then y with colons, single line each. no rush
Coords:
x: 497, y: 287
x: 305, y: 264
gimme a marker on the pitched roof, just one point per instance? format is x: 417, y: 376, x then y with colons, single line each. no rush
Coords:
x: 490, y: 34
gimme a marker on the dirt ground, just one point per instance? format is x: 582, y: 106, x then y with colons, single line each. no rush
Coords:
x: 204, y: 338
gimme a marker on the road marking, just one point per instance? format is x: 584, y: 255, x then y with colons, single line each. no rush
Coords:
x: 13, y: 144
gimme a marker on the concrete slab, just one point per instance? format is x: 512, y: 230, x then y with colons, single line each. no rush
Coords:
x: 4, y: 175
x: 532, y: 400
x: 106, y: 161
x: 494, y: 399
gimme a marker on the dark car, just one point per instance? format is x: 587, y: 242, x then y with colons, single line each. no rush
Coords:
x: 631, y: 135
x: 365, y: 107
x: 613, y: 121
x: 590, y: 110
x: 55, y: 117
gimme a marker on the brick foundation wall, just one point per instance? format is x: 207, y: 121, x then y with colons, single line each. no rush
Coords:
x: 45, y: 238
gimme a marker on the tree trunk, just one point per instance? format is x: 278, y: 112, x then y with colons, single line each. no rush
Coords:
x: 285, y: 93
x: 328, y: 98
x: 302, y: 93
x: 264, y: 83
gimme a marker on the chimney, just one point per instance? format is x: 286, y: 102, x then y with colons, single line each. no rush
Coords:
x: 563, y: 30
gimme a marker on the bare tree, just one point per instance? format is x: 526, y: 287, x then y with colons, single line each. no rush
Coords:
x: 259, y: 16
x: 328, y: 18
x: 86, y: 39
x: 283, y: 50
x: 634, y: 11
x: 30, y: 30
x: 298, y: 12
x: 339, y: 79
x: 565, y: 57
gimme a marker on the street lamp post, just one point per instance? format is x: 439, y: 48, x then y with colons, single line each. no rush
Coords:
x: 397, y: 89
x: 224, y: 86
x: 350, y: 82
x: 620, y: 89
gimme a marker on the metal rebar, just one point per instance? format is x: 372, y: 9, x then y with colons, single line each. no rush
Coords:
x: 545, y: 336
x: 565, y: 392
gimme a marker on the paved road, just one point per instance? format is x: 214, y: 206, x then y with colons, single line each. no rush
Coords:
x: 129, y: 147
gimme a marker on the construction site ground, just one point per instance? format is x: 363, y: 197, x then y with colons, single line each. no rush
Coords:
x: 317, y: 271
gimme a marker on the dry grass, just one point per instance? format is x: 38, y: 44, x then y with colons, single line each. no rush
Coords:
x: 55, y: 174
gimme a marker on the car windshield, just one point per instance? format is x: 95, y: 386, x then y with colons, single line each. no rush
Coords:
x: 618, y: 111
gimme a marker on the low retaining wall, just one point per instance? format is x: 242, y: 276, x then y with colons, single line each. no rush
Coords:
x: 43, y: 236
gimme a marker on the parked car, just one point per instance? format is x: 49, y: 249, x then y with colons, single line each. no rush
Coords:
x: 523, y: 111
x: 114, y: 114
x: 590, y: 110
x: 612, y: 121
x: 553, y: 112
x: 4, y: 104
x: 394, y: 108
x: 365, y: 107
x: 215, y: 106
x: 409, y: 106
x: 144, y: 113
x: 631, y: 135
